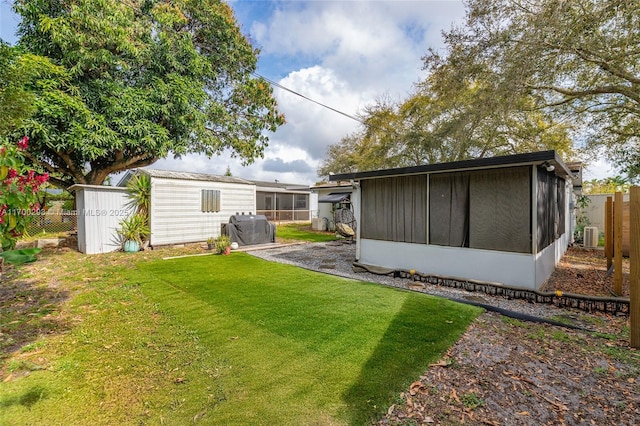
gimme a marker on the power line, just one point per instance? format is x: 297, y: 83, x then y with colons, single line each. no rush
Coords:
x: 280, y: 86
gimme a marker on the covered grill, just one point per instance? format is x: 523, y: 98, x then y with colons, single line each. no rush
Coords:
x: 249, y: 229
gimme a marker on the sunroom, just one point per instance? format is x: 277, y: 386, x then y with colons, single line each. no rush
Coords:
x: 504, y: 220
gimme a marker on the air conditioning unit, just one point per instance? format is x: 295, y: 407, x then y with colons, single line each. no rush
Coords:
x: 590, y: 236
x: 318, y: 224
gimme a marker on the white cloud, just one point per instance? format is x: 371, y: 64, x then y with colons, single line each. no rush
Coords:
x: 376, y: 46
x: 312, y: 127
x: 359, y: 51
x: 598, y: 169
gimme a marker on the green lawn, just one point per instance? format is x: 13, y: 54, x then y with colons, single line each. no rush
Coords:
x: 302, y: 232
x: 226, y: 340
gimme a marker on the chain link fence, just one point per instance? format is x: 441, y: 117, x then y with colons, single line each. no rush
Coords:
x: 53, y: 221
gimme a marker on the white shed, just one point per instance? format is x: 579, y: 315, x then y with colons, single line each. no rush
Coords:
x: 191, y: 207
x: 100, y: 210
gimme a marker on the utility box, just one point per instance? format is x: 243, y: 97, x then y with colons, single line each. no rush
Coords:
x: 318, y: 224
x: 591, y: 236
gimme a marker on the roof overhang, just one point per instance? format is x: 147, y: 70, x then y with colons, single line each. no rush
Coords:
x: 541, y: 158
x: 81, y: 187
x: 334, y: 197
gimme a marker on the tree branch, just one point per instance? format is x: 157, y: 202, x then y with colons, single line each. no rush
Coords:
x: 97, y: 175
x: 602, y: 90
x: 591, y: 57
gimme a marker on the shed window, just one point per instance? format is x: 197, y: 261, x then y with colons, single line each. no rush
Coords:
x: 484, y: 209
x: 210, y: 201
x: 395, y: 209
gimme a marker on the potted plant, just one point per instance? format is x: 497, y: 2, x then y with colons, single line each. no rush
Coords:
x: 133, y: 231
x: 223, y: 244
x: 211, y: 242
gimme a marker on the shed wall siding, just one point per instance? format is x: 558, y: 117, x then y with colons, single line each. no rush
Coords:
x: 99, y: 216
x: 176, y: 215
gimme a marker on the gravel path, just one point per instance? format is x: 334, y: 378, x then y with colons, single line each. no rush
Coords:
x: 337, y: 258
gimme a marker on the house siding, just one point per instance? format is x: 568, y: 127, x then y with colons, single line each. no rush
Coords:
x: 176, y: 216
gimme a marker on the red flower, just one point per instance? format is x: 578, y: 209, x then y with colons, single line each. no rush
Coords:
x: 42, y: 178
x: 12, y: 173
x: 23, y: 143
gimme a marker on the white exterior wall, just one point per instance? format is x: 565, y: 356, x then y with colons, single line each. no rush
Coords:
x: 176, y: 216
x: 313, y: 205
x: 100, y: 210
x: 517, y: 269
x: 324, y: 210
x: 595, y: 210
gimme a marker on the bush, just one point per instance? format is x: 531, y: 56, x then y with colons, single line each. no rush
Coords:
x: 222, y: 242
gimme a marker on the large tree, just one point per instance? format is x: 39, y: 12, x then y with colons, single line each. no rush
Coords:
x: 577, y: 60
x: 143, y: 79
x: 18, y: 71
x: 441, y: 123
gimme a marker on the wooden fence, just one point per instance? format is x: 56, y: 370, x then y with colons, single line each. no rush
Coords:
x: 624, y: 218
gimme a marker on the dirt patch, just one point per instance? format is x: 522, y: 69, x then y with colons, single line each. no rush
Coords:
x: 507, y: 372
x: 27, y: 310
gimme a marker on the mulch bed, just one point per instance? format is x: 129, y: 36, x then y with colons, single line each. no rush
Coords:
x: 506, y: 372
x: 584, y: 271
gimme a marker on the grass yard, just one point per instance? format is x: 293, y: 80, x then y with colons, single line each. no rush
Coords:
x: 222, y: 340
x: 301, y: 231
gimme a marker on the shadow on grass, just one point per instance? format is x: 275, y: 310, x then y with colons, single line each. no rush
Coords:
x: 27, y: 310
x: 418, y: 335
x: 30, y: 396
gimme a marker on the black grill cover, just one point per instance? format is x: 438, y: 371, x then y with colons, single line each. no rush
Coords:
x: 250, y: 229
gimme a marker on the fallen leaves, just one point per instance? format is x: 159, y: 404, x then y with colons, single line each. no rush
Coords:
x: 499, y: 373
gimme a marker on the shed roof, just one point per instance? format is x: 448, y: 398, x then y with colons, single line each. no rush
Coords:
x: 334, y: 197
x: 549, y: 157
x: 169, y: 174
x: 278, y: 186
x: 79, y: 187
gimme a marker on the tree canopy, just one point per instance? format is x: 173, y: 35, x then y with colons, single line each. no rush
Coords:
x: 17, y: 72
x: 435, y: 125
x: 517, y: 75
x: 575, y: 60
x: 140, y: 80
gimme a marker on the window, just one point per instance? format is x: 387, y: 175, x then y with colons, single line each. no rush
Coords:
x: 301, y: 201
x: 484, y: 209
x: 210, y: 200
x: 395, y: 209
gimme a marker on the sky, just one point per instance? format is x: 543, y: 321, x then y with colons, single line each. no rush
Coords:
x: 344, y: 54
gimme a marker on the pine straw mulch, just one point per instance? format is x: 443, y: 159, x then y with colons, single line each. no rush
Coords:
x: 507, y: 372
